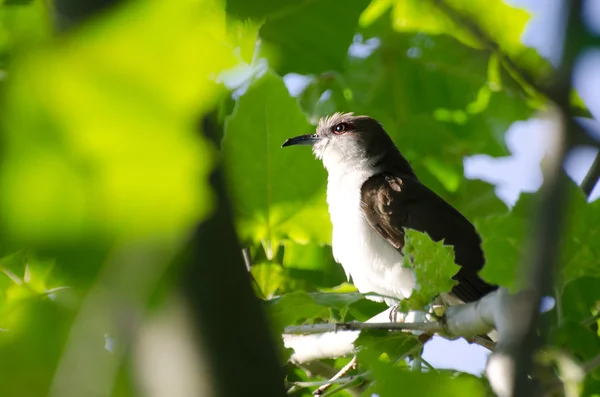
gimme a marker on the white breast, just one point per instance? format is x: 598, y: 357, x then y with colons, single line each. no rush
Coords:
x: 370, y: 261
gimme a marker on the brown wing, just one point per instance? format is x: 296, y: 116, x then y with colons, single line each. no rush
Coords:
x: 391, y: 203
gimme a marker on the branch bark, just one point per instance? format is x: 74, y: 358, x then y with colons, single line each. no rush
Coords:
x: 312, y: 342
x: 592, y: 177
x: 216, y: 279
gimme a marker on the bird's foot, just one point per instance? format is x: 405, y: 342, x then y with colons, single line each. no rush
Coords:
x: 396, y: 316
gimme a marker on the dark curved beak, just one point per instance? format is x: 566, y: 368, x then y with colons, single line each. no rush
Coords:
x: 304, y: 140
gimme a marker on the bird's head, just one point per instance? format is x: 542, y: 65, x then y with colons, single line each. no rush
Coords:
x: 343, y: 138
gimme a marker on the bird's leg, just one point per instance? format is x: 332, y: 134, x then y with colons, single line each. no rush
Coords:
x: 395, y: 313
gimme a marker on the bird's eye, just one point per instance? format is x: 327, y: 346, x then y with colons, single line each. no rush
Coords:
x: 340, y: 128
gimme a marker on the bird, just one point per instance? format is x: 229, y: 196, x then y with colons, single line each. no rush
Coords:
x: 373, y: 197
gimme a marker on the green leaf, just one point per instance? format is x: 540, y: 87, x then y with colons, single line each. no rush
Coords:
x: 576, y: 338
x: 128, y: 163
x: 581, y: 238
x: 505, y: 243
x: 278, y: 193
x: 23, y: 277
x: 294, y: 308
x: 474, y: 23
x: 294, y: 37
x: 270, y: 278
x: 476, y: 199
x: 315, y: 260
x: 391, y: 379
x: 580, y: 299
x: 434, y: 267
x: 394, y: 344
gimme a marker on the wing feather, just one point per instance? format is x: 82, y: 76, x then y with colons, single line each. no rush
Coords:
x: 392, y: 203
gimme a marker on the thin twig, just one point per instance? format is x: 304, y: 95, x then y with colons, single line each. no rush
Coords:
x: 351, y: 365
x: 592, y: 177
x: 427, y: 364
x: 356, y: 326
x: 319, y: 368
x: 353, y: 384
x: 247, y: 258
x: 317, y: 383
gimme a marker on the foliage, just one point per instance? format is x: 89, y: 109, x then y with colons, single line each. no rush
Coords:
x: 431, y: 261
x: 104, y: 174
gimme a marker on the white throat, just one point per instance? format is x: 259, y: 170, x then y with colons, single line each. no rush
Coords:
x: 370, y: 261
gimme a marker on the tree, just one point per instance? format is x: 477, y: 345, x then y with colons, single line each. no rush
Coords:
x: 123, y: 226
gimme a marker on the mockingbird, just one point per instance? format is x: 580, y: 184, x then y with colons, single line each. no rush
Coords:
x: 373, y: 195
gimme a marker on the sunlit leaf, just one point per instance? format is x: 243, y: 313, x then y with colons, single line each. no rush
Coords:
x: 127, y: 163
x: 293, y: 308
x: 278, y: 192
x: 434, y: 267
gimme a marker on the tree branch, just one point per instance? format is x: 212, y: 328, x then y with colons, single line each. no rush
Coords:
x: 592, y: 177
x: 337, y: 327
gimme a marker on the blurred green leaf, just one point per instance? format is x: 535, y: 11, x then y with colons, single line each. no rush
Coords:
x: 576, y: 338
x: 294, y: 308
x: 278, y: 193
x: 270, y: 278
x: 476, y: 199
x: 127, y: 163
x: 434, y: 268
x: 394, y: 344
x: 22, y: 26
x: 30, y: 355
x: 580, y: 299
x: 504, y: 240
x: 294, y: 36
x: 481, y: 25
x: 391, y: 380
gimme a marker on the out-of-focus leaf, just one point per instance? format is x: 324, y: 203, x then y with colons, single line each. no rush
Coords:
x: 391, y: 379
x: 577, y: 339
x: 504, y: 241
x: 394, y: 344
x: 476, y: 199
x: 496, y: 21
x: 23, y: 278
x: 279, y: 193
x: 127, y: 163
x: 325, y: 95
x: 580, y: 239
x: 259, y: 9
x: 316, y: 259
x: 270, y: 278
x: 311, y: 37
x: 337, y: 301
x: 294, y: 308
x: 22, y: 26
x: 434, y: 267
x: 31, y: 355
x: 581, y: 298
